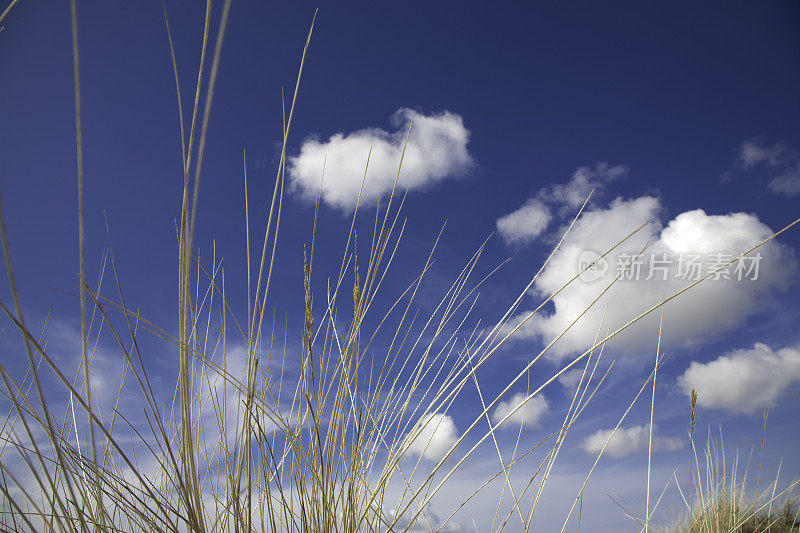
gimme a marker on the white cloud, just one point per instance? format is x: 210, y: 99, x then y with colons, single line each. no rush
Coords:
x: 744, y: 381
x: 570, y: 380
x: 699, y: 315
x: 528, y: 414
x: 63, y: 343
x: 437, y: 149
x: 573, y: 193
x: 627, y: 441
x: 529, y: 221
x: 217, y: 388
x: 434, y: 435
x: 752, y: 154
x: 525, y: 224
x: 787, y: 183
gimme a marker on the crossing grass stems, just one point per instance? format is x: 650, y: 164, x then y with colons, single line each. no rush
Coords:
x: 337, y: 444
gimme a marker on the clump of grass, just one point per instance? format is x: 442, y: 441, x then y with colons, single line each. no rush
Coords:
x: 244, y: 444
x: 720, y: 500
x: 723, y: 514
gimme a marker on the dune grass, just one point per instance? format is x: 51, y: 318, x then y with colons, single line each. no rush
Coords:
x: 723, y: 514
x: 723, y: 499
x: 338, y: 443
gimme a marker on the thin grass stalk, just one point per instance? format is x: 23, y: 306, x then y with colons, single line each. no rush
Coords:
x: 650, y: 432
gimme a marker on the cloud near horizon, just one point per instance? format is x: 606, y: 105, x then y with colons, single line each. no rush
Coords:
x: 436, y: 150
x: 627, y: 441
x: 745, y: 380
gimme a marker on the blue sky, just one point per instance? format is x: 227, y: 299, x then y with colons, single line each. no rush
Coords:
x: 663, y: 109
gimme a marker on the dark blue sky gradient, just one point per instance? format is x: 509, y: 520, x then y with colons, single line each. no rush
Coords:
x: 670, y: 91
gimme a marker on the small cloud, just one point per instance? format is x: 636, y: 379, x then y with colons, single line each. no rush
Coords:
x: 573, y: 193
x: 782, y: 163
x: 752, y: 154
x: 436, y: 150
x: 570, y: 380
x: 433, y: 436
x: 525, y: 224
x: 787, y: 183
x: 528, y: 413
x: 627, y: 441
x: 744, y: 381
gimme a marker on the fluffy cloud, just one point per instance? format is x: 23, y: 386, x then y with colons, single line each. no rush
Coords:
x: 627, y: 441
x: 529, y: 221
x: 435, y: 434
x: 744, y: 381
x: 437, y: 149
x: 691, y: 245
x: 528, y: 414
x: 525, y: 224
